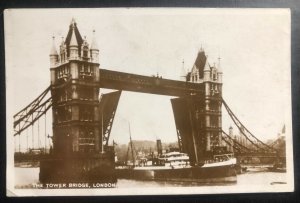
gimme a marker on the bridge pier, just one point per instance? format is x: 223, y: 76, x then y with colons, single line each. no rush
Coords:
x: 78, y: 168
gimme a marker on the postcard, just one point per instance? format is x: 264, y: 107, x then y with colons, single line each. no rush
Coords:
x: 148, y: 101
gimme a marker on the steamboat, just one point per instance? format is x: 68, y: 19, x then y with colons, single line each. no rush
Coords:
x: 176, y: 166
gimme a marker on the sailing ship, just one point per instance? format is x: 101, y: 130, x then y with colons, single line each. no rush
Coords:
x: 176, y: 166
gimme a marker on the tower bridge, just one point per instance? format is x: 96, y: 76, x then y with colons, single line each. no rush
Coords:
x: 82, y: 122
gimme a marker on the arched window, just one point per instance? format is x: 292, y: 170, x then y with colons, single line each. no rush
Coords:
x: 214, y: 74
x: 85, y: 52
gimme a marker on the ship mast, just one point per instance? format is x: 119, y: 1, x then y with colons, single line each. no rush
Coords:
x: 131, y: 145
x: 102, y: 134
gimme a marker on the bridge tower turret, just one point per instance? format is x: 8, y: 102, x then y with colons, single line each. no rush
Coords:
x: 182, y: 76
x: 75, y: 95
x: 209, y: 107
x: 73, y: 46
x: 219, y: 85
x: 94, y: 49
x: 206, y: 81
x: 76, y: 155
x: 220, y: 72
x: 53, y: 60
x: 53, y: 54
x: 215, y: 111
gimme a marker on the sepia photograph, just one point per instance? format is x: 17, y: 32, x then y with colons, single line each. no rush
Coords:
x: 148, y: 101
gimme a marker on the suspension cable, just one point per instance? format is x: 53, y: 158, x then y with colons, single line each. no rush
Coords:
x: 45, y: 131
x: 32, y: 136
x: 19, y: 143
x: 15, y: 144
x: 39, y: 98
x: 257, y: 146
x: 38, y: 133
x: 235, y: 142
x: 237, y: 122
x: 35, y: 114
x: 27, y: 140
x: 234, y: 146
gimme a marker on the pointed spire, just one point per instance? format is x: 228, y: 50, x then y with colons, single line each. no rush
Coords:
x: 206, y: 72
x: 219, y: 65
x: 62, y: 44
x: 183, y: 72
x: 206, y: 66
x: 62, y: 40
x: 73, y: 41
x: 230, y: 131
x: 53, y: 51
x: 73, y: 22
x: 94, y: 45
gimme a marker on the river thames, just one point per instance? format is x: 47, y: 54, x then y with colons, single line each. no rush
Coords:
x: 27, y: 177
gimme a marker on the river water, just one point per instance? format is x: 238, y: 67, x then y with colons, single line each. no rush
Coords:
x: 26, y: 177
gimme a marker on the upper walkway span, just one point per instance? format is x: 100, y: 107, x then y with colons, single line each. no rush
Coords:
x: 148, y: 84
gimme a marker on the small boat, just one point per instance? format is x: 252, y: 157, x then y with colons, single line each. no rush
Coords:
x: 278, y: 167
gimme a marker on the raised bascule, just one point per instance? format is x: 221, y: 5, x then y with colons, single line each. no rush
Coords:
x: 82, y: 121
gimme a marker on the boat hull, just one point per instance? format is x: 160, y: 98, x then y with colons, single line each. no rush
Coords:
x: 215, y: 174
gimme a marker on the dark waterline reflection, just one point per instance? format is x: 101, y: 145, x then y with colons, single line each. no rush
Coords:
x: 26, y: 177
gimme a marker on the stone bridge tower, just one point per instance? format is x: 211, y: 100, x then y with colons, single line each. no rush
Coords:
x: 207, y: 111
x: 74, y: 90
x: 78, y: 155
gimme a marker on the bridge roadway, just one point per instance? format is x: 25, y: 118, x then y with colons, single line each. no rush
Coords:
x: 148, y: 84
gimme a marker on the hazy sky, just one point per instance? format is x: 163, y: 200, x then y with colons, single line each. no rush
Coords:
x: 254, y: 46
